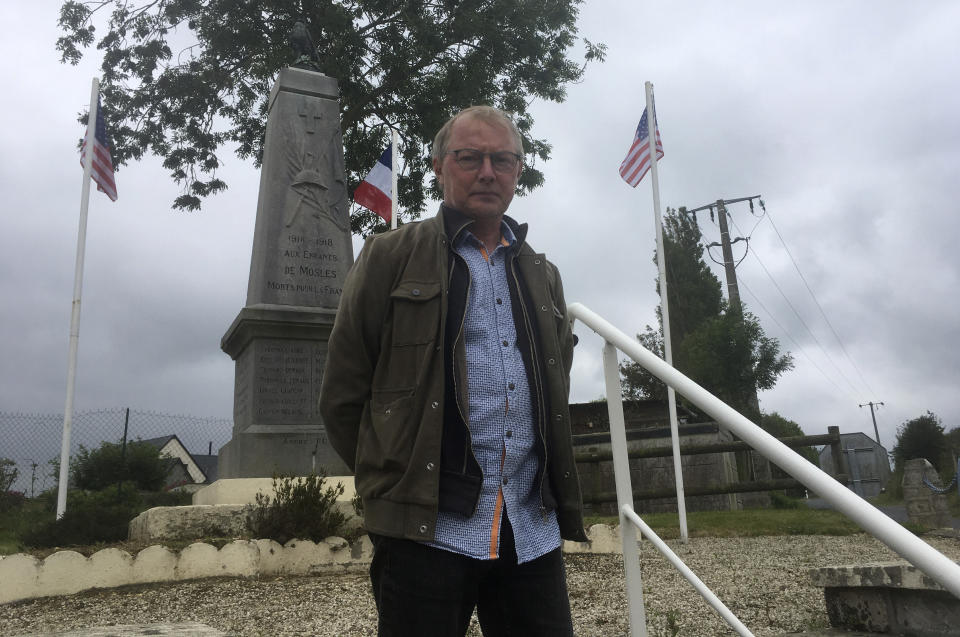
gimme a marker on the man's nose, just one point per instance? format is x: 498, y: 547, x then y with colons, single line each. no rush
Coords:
x: 486, y: 170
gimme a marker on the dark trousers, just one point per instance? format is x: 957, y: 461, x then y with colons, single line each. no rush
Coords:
x: 421, y: 591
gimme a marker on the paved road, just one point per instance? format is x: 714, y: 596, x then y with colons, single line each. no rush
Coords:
x: 896, y: 512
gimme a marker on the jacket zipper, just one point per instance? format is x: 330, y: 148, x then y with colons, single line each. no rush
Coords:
x: 536, y: 380
x: 468, y: 448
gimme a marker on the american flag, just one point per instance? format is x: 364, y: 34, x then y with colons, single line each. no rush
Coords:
x: 102, y: 172
x: 637, y: 162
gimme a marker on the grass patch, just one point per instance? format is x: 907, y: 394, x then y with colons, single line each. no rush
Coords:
x: 746, y: 523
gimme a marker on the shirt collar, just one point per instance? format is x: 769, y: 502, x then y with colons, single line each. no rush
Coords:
x: 455, y: 222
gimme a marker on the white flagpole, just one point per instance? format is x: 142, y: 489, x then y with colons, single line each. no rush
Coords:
x: 75, y: 312
x: 667, y: 349
x: 394, y: 170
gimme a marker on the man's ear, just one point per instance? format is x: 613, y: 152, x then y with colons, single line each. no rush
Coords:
x: 438, y: 172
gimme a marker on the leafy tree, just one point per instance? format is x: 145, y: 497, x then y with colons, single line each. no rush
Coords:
x: 922, y: 437
x: 694, y: 292
x: 776, y: 425
x: 183, y: 78
x: 953, y: 442
x: 725, y: 352
x: 108, y: 465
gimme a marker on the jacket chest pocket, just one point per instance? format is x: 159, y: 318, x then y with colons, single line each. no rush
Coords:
x: 416, y: 313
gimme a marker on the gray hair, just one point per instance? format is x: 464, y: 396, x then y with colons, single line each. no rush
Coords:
x: 488, y: 114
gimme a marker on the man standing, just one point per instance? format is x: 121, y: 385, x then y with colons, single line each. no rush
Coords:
x: 445, y: 390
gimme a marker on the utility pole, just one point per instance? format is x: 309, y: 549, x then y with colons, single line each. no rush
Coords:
x: 726, y: 245
x: 876, y: 432
x: 746, y: 466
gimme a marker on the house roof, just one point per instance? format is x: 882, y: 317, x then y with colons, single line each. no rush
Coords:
x: 172, y: 446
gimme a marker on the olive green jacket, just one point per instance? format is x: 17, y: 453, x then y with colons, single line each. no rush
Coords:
x: 384, y: 385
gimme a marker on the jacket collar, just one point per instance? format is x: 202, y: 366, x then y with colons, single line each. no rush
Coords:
x: 455, y: 222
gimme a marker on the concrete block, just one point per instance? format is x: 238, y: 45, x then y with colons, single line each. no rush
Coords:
x: 362, y: 549
x: 339, y: 549
x: 188, y: 522
x: 887, y: 598
x: 63, y: 573
x: 109, y: 568
x: 302, y: 557
x: 154, y: 564
x: 240, y: 558
x: 198, y: 560
x: 19, y: 577
x: 271, y: 557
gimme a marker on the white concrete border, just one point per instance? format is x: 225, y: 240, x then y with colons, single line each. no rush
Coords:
x: 24, y: 576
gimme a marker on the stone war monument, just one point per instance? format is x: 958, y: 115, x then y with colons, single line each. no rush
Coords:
x: 302, y: 251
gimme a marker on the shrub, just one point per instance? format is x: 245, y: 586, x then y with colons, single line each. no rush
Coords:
x: 109, y: 464
x: 782, y: 501
x: 8, y: 473
x: 301, y: 508
x: 11, y: 501
x: 91, y: 517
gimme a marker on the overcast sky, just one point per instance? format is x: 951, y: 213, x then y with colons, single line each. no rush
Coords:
x: 843, y: 116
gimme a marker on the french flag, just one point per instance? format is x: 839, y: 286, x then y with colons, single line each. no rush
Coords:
x: 373, y: 192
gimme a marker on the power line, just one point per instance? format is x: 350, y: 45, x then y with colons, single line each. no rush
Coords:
x: 787, y: 333
x: 819, y: 307
x: 797, y: 314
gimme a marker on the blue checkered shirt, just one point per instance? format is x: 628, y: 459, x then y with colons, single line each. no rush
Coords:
x: 502, y: 431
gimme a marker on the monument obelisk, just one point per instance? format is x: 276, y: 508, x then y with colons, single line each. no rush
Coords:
x: 302, y: 251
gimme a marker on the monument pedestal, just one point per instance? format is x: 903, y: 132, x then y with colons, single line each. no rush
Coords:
x: 302, y: 250
x: 279, y: 352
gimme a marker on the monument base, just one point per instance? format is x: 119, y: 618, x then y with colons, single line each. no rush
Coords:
x: 277, y: 429
x: 263, y: 455
x: 245, y: 490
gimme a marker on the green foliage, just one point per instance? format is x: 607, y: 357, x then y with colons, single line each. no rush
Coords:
x: 953, y: 441
x: 8, y: 473
x: 776, y: 425
x: 923, y: 437
x: 183, y: 78
x: 301, y: 508
x: 109, y: 464
x: 781, y: 501
x: 9, y: 500
x: 91, y: 517
x: 725, y: 352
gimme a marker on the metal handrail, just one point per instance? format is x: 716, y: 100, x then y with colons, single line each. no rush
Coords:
x: 901, y: 541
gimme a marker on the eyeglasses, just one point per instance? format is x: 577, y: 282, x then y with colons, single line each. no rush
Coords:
x: 503, y: 161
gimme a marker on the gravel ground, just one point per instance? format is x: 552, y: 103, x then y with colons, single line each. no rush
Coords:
x: 762, y: 580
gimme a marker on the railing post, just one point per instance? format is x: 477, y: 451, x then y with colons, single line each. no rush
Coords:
x: 621, y: 469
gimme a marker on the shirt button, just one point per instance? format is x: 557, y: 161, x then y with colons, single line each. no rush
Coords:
x: 434, y: 405
x: 511, y: 386
x: 505, y: 480
x: 509, y: 433
x: 415, y: 292
x: 552, y: 361
x: 499, y: 301
x: 505, y: 344
x: 423, y: 529
x: 430, y: 466
x: 543, y: 308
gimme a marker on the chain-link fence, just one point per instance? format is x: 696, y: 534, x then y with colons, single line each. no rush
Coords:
x: 32, y: 441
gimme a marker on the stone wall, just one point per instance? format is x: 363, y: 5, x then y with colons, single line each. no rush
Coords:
x: 924, y: 506
x: 655, y: 474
